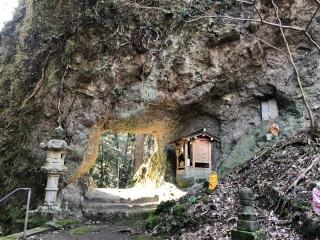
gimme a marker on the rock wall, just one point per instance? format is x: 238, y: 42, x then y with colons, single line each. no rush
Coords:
x: 147, y: 68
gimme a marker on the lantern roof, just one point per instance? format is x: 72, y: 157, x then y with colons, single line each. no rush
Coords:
x: 200, y: 133
x: 58, y: 133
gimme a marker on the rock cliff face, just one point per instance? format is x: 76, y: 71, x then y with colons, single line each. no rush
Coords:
x: 148, y: 67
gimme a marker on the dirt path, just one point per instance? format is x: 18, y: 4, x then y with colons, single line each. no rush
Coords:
x: 87, y: 232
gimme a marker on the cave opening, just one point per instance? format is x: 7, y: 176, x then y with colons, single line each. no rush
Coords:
x: 122, y: 182
x: 123, y: 171
x: 120, y: 157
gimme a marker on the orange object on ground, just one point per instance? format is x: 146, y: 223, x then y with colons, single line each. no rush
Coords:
x: 274, y: 129
x: 213, y: 181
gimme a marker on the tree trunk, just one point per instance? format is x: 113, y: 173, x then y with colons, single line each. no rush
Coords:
x: 116, y: 139
x: 100, y: 162
x: 138, y: 152
x: 127, y: 166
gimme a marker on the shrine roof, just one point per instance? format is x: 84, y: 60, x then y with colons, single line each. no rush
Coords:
x: 202, y: 132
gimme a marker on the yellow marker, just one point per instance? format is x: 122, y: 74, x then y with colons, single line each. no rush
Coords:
x: 213, y: 181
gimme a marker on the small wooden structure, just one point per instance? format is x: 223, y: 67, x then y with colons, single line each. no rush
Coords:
x: 269, y: 109
x: 193, y: 155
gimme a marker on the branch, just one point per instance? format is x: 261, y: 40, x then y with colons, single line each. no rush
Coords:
x: 259, y: 13
x: 295, y: 28
x: 312, y: 18
x: 61, y: 90
x: 246, y: 20
x: 311, y: 40
x: 312, y: 122
x: 302, y: 175
x: 136, y: 5
x: 40, y: 82
x: 36, y: 89
x: 298, y: 179
x: 246, y: 2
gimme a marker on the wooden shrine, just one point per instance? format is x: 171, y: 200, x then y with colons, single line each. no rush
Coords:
x: 193, y: 155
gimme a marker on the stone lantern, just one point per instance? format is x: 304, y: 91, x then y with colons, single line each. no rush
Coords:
x: 57, y: 149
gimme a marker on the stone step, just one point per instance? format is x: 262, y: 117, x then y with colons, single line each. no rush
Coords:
x: 110, y: 212
x: 129, y: 201
x: 103, y: 206
x: 121, y: 196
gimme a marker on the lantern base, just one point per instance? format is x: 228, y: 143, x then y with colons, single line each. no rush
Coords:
x: 244, y: 235
x: 52, y: 211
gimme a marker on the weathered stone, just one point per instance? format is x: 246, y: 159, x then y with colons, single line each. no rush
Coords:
x: 222, y: 35
x: 268, y: 137
x: 247, y: 217
x: 185, y: 182
x: 246, y: 196
x: 261, y: 144
x: 58, y: 133
x: 250, y: 225
x: 244, y: 235
x: 247, y: 226
x: 56, y: 144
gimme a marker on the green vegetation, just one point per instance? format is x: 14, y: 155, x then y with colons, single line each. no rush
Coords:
x: 67, y: 222
x: 152, y: 221
x: 136, y: 221
x: 17, y: 163
x: 177, y: 219
x: 164, y: 207
x: 144, y: 237
x: 179, y: 210
x: 82, y: 230
x: 32, y: 222
x: 9, y: 238
x: 170, y: 214
x: 69, y: 49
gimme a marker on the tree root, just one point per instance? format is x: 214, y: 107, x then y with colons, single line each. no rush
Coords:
x: 298, y: 179
x: 302, y: 175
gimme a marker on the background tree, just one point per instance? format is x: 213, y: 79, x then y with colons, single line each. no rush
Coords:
x: 120, y: 156
x: 138, y: 152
